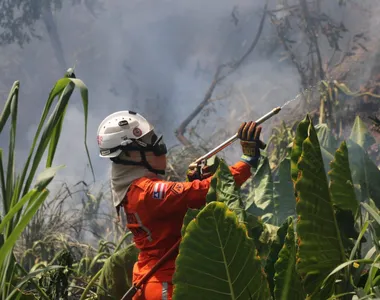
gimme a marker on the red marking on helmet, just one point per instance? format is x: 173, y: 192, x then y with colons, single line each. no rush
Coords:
x: 100, y: 139
x: 137, y: 132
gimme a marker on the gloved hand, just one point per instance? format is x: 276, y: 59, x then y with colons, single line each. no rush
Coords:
x: 193, y: 174
x: 249, y: 135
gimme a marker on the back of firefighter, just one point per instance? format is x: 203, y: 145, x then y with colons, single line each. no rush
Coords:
x: 154, y: 207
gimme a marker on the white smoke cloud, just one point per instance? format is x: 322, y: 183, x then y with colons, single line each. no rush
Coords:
x: 155, y: 57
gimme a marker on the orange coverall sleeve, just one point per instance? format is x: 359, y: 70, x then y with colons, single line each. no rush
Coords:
x: 165, y: 197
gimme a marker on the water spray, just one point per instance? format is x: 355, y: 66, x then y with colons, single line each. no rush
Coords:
x: 232, y: 139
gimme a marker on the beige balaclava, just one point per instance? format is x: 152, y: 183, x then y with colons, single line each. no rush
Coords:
x: 123, y: 175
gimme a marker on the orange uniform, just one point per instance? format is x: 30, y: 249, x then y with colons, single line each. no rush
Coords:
x: 155, y: 210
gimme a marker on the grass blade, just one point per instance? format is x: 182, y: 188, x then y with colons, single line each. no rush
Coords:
x: 7, y: 107
x: 11, y: 148
x: 11, y: 240
x: 2, y: 179
x: 8, y: 217
x: 372, y: 212
x: 345, y: 264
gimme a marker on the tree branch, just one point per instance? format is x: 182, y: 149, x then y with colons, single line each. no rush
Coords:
x: 216, y: 79
x: 310, y: 28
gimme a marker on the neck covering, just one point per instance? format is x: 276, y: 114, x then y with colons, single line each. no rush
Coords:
x: 121, y: 178
x: 123, y: 175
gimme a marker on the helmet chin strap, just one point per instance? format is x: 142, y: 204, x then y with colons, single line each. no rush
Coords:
x: 143, y: 163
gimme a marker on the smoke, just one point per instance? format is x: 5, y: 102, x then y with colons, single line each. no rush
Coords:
x: 154, y: 57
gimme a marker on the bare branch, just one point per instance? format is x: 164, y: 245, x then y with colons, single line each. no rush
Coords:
x: 217, y: 79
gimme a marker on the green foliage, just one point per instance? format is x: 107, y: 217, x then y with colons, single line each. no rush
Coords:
x: 20, y: 202
x: 232, y: 248
x: 326, y: 138
x: 320, y: 245
x: 271, y: 196
x: 341, y: 186
x: 327, y: 216
x: 365, y: 173
x: 287, y: 280
x: 116, y: 274
x: 361, y: 135
x: 224, y: 189
x: 260, y: 200
x: 280, y: 143
x: 217, y: 259
x: 284, y: 199
x: 274, y: 251
x: 190, y: 215
x: 56, y: 282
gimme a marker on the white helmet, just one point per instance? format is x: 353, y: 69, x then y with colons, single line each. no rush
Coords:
x: 125, y: 130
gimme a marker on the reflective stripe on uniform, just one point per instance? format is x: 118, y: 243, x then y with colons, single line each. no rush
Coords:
x: 164, y: 291
x: 143, y: 227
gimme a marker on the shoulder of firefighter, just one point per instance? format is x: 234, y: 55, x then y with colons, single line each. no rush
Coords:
x: 155, y: 206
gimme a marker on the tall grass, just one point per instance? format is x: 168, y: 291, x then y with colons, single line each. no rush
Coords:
x: 23, y: 192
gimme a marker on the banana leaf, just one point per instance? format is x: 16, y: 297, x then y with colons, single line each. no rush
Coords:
x: 217, y: 259
x: 319, y: 240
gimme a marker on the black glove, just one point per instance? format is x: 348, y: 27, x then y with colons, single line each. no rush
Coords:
x: 249, y: 135
x: 193, y: 174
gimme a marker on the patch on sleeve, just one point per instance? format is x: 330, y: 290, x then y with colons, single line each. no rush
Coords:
x: 159, y: 190
x: 177, y: 188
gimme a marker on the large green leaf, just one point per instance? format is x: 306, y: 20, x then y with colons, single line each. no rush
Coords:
x: 360, y: 134
x: 217, y: 259
x: 284, y: 199
x: 328, y: 144
x: 343, y: 197
x: 116, y: 277
x: 260, y: 202
x: 364, y: 173
x: 326, y: 138
x: 320, y: 245
x: 263, y: 234
x: 189, y: 216
x: 287, y: 281
x: 341, y: 185
x: 224, y: 189
x: 273, y: 253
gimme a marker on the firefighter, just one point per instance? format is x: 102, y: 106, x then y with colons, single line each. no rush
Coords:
x: 154, y: 207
